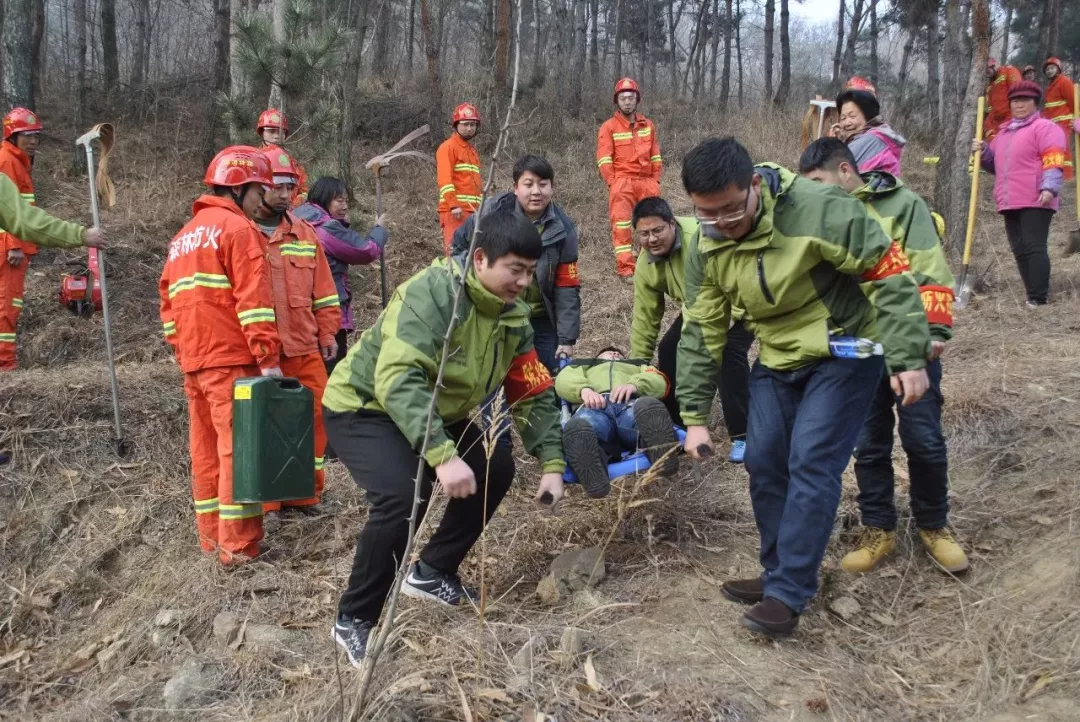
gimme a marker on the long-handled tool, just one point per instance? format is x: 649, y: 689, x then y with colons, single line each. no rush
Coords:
x: 963, y: 287
x: 103, y: 133
x: 377, y: 164
x: 1074, y: 236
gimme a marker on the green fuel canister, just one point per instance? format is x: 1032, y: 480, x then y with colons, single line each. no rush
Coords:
x: 273, y: 440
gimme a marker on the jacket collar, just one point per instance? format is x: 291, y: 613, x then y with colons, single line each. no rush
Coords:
x: 554, y: 229
x: 639, y: 119
x: 515, y: 314
x: 875, y: 183
x: 224, y: 203
x: 17, y: 153
x: 675, y: 248
x: 1015, y: 124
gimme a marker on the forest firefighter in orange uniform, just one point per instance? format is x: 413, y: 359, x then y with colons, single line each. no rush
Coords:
x: 273, y: 129
x: 22, y: 129
x: 1059, y: 104
x: 628, y: 157
x: 1000, y: 79
x: 306, y: 302
x: 457, y: 169
x: 218, y: 314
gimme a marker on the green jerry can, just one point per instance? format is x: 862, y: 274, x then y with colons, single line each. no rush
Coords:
x: 273, y: 440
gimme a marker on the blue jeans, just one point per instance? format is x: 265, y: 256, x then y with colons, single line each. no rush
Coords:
x: 802, y: 428
x: 614, y: 426
x: 545, y: 341
x: 927, y: 454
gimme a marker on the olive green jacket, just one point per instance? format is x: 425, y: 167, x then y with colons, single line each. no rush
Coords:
x: 30, y: 223
x: 602, y: 376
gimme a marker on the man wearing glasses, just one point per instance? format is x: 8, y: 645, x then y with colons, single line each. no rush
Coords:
x: 659, y: 274
x: 808, y: 266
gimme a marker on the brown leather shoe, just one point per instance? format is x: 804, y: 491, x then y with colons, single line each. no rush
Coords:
x: 744, y: 591
x: 772, y: 618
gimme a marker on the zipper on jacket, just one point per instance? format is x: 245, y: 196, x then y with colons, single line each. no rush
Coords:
x: 761, y: 277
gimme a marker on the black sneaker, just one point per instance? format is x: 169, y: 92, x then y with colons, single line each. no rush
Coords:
x: 585, y: 458
x: 446, y: 589
x: 656, y: 433
x: 352, y: 636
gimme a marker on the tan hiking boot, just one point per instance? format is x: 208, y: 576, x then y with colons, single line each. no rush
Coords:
x: 873, y: 546
x: 943, y: 549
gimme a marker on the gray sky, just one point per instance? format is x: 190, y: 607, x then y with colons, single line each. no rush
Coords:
x: 823, y: 11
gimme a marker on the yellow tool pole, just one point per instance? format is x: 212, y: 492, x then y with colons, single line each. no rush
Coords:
x: 963, y: 292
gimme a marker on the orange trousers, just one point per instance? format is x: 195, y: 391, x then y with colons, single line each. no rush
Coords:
x: 624, y: 194
x: 310, y: 371
x: 1067, y: 129
x: 232, y: 530
x: 12, y: 283
x: 450, y: 225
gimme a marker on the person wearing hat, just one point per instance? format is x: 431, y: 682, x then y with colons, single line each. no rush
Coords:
x: 1059, y: 103
x: 457, y: 169
x: 273, y: 129
x: 1028, y: 73
x: 1027, y: 157
x: 1000, y: 79
x: 873, y: 142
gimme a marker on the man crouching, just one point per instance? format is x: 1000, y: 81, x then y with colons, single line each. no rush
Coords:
x: 376, y: 411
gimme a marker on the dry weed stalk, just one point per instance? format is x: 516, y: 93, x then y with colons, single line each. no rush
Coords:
x: 387, y: 624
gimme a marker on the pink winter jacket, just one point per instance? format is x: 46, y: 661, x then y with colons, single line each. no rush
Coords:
x: 1026, y: 156
x: 878, y: 147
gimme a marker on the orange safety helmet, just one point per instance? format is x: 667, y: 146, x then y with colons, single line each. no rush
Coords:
x: 21, y: 120
x: 239, y: 165
x: 626, y: 85
x: 272, y: 118
x: 465, y: 111
x: 282, y: 166
x: 1052, y: 61
x: 859, y: 83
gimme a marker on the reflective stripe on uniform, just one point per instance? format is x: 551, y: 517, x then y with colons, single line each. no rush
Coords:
x: 1054, y: 104
x: 624, y: 224
x: 603, y: 161
x: 320, y: 462
x: 298, y: 249
x: 644, y: 132
x: 235, y: 512
x: 206, y: 280
x: 449, y: 188
x: 206, y: 506
x: 7, y: 338
x: 326, y: 301
x: 657, y: 159
x: 169, y: 327
x: 470, y: 199
x: 623, y: 249
x: 256, y: 315
x: 622, y: 136
x: 17, y: 302
x: 467, y: 167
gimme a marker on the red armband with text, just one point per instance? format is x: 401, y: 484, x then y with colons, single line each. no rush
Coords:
x: 527, y: 377
x: 893, y: 262
x: 938, y: 302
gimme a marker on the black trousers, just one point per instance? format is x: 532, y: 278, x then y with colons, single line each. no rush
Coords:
x: 384, y: 464
x: 1028, y: 230
x: 734, y: 381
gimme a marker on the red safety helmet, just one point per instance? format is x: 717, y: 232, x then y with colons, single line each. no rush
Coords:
x: 465, y: 111
x: 239, y: 165
x: 282, y: 166
x: 21, y: 120
x: 272, y: 118
x: 859, y: 83
x: 626, y: 85
x: 1052, y: 61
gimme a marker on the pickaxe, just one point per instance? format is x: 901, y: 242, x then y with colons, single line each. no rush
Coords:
x: 104, y: 134
x: 822, y: 106
x: 377, y: 164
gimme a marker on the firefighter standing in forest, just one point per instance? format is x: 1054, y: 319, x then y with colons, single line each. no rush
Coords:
x: 306, y: 302
x: 1059, y: 104
x: 457, y: 169
x: 628, y: 158
x: 1001, y: 79
x: 273, y: 129
x: 218, y: 315
x: 22, y: 129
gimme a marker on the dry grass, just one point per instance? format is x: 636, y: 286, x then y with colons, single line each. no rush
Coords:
x: 92, y: 547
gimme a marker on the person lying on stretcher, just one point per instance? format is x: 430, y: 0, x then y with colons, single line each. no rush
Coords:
x: 618, y: 410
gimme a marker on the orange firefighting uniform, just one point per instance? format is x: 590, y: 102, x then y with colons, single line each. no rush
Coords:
x: 308, y: 315
x: 628, y: 157
x: 15, y: 165
x: 300, y: 190
x: 218, y: 315
x: 1059, y: 108
x: 457, y: 169
x: 997, y: 99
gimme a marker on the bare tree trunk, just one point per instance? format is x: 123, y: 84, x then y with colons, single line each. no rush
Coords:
x: 873, y: 42
x: 618, y: 38
x: 412, y: 34
x: 356, y: 21
x: 37, y: 46
x: 953, y: 180
x: 110, y: 57
x: 277, y: 95
x: 577, y: 71
x: 714, y: 32
x: 142, y: 42
x: 594, y: 57
x: 839, y: 46
x: 502, y: 43
x: 1053, y: 28
x: 847, y: 68
x: 18, y: 75
x: 738, y: 48
x: 725, y: 77
x: 647, y: 56
x: 672, y: 27
x: 380, y: 61
x: 933, y: 64
x: 785, y: 55
x: 1005, y: 32
x: 219, y: 70
x: 79, y: 19
x: 431, y: 50
x: 905, y: 69
x: 559, y: 22
x: 539, y: 68
x: 770, y: 20
x: 1044, y: 30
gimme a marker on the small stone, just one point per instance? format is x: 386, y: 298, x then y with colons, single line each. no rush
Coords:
x: 193, y: 682
x: 548, y: 591
x: 522, y: 661
x: 572, y: 571
x: 226, y: 625
x: 571, y: 644
x: 845, y: 607
x: 167, y: 617
x: 268, y: 635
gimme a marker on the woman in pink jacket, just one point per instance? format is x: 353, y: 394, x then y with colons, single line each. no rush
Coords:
x: 873, y: 142
x: 1027, y: 156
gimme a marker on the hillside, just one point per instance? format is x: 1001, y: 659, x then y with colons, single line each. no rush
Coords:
x: 105, y: 594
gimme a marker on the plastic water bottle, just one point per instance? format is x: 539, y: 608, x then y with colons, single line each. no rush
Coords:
x: 852, y: 347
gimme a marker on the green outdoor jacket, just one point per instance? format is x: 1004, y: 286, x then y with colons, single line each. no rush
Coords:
x: 797, y: 277
x: 655, y: 278
x: 393, y: 367
x: 906, y: 218
x: 602, y: 376
x: 30, y: 223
